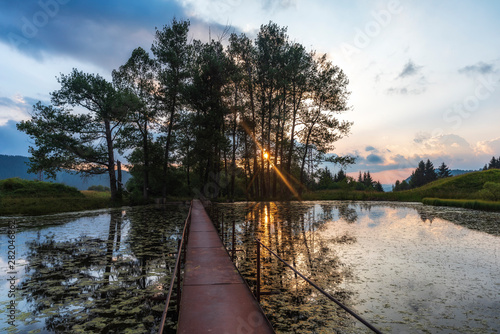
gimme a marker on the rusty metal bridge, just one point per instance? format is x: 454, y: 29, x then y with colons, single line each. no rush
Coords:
x: 215, y: 298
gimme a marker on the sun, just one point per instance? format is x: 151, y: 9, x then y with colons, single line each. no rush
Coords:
x: 266, y: 155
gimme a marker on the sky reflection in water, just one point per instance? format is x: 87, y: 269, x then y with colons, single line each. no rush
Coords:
x: 405, y: 268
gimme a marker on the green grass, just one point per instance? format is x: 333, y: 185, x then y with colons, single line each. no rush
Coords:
x: 464, y: 203
x: 22, y: 197
x: 16, y: 187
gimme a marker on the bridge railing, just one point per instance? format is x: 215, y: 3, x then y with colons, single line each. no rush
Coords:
x: 176, y: 276
x: 322, y: 291
x: 216, y: 217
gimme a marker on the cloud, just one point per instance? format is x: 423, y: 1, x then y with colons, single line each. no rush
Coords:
x: 410, y: 69
x: 375, y: 159
x: 414, y: 84
x: 278, y: 4
x: 406, y: 90
x: 102, y: 32
x: 12, y: 141
x: 17, y: 108
x: 479, y: 68
x: 488, y: 147
x: 370, y: 148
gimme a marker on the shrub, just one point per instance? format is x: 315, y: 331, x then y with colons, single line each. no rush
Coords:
x: 98, y: 188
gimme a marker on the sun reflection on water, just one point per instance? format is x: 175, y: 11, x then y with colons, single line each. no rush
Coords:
x: 404, y: 267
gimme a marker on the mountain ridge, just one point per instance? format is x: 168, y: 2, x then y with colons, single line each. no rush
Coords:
x: 16, y: 166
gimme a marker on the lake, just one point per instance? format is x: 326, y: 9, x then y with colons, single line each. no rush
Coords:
x: 406, y: 268
x: 91, y: 272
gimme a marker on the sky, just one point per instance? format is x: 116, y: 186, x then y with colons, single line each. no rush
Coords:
x: 424, y: 75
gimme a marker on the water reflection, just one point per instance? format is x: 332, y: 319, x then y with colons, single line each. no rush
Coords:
x: 111, y: 282
x: 291, y: 231
x: 407, y: 268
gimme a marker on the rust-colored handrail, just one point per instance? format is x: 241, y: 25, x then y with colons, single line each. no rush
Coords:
x: 177, y: 268
x: 326, y: 294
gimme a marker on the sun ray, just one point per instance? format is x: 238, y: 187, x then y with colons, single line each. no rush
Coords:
x: 266, y: 156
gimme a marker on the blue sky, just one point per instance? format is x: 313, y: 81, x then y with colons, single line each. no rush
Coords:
x: 424, y: 75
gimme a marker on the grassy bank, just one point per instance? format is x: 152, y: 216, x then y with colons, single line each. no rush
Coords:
x: 22, y: 197
x: 464, y: 203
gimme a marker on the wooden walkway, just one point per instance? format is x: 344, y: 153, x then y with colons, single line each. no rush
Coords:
x: 215, y: 299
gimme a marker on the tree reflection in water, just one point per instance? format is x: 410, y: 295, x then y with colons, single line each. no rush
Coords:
x: 289, y: 229
x: 113, y: 285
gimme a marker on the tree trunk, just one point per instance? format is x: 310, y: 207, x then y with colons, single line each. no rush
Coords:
x: 119, y: 181
x: 295, y: 105
x: 233, y: 158
x: 167, y: 150
x: 255, y: 179
x: 145, y: 190
x: 304, y: 160
x: 111, y: 160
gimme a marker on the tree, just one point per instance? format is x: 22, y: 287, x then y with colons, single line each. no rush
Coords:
x: 172, y: 53
x: 367, y: 180
x: 400, y: 186
x: 418, y: 176
x: 328, y: 96
x: 340, y: 176
x: 325, y: 180
x: 430, y: 173
x: 137, y: 75
x: 494, y: 163
x: 207, y: 96
x: 443, y: 171
x: 83, y: 143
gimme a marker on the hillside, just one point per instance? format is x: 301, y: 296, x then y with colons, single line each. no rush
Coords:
x: 24, y: 197
x: 16, y: 166
x: 465, y: 186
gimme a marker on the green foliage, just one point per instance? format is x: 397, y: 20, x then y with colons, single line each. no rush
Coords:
x: 16, y: 187
x: 443, y: 171
x: 494, y: 163
x: 461, y: 203
x: 22, y: 197
x: 98, y: 188
x: 490, y: 191
x: 466, y: 186
x: 197, y: 115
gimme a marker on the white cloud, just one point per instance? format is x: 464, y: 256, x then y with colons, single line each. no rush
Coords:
x: 16, y: 108
x: 490, y: 147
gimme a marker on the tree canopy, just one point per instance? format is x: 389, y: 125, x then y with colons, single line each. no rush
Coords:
x: 228, y: 118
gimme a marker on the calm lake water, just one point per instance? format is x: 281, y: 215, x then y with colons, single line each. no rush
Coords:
x: 91, y: 272
x: 406, y: 268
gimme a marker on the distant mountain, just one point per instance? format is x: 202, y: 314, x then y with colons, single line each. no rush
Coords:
x: 16, y: 166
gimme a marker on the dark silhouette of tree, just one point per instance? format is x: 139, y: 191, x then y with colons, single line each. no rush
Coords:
x: 138, y: 75
x: 430, y: 173
x: 443, y: 171
x: 418, y: 178
x: 367, y: 179
x: 263, y: 113
x: 494, y: 163
x: 400, y: 186
x: 340, y: 176
x: 84, y: 142
x: 171, y: 50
